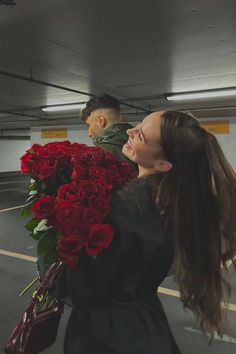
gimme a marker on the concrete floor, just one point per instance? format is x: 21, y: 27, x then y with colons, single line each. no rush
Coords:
x: 15, y: 273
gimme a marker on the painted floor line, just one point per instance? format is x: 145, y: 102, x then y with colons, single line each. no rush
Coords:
x: 13, y: 208
x: 10, y: 189
x: 161, y: 290
x: 225, y: 337
x: 12, y: 182
x: 167, y: 291
x: 229, y: 263
x: 175, y: 293
x: 18, y: 255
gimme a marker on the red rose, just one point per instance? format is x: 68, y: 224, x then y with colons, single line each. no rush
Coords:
x: 46, y: 168
x: 81, y: 205
x: 99, y: 237
x: 88, y: 156
x: 62, y: 147
x: 86, y: 190
x: 104, y: 187
x: 77, y: 147
x: 79, y: 155
x: 67, y: 217
x: 64, y: 162
x: 114, y: 175
x: 70, y: 244
x: 90, y: 190
x: 78, y: 173
x: 97, y: 172
x: 27, y: 162
x: 68, y: 192
x: 44, y: 207
x: 36, y: 149
x: 60, y: 151
x: 108, y: 160
x: 68, y: 249
x: 90, y: 215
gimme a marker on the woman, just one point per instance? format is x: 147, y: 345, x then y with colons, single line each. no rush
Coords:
x: 181, y: 209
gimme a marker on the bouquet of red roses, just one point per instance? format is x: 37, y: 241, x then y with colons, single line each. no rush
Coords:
x: 70, y: 197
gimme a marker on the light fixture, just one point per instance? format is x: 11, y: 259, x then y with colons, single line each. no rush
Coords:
x: 63, y: 107
x: 201, y: 94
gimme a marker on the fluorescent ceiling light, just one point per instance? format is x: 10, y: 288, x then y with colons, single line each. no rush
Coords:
x: 201, y: 94
x: 65, y: 107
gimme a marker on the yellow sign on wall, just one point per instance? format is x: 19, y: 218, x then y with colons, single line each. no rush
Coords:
x: 216, y: 126
x: 60, y: 133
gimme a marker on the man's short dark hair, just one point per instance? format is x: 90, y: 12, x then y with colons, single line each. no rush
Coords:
x: 97, y: 102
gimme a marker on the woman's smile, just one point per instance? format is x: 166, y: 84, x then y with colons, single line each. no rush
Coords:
x: 128, y: 144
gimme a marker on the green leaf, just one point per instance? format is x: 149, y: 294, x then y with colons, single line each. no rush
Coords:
x: 47, y: 247
x: 26, y: 210
x: 42, y: 187
x: 50, y: 257
x: 38, y: 235
x: 31, y: 224
x: 33, y: 187
x: 42, y: 226
x: 33, y: 193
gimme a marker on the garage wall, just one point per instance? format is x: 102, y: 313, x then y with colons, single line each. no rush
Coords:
x: 10, y: 152
x: 75, y: 133
x: 228, y: 141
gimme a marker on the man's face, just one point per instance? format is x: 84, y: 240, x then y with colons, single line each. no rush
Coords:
x: 94, y: 124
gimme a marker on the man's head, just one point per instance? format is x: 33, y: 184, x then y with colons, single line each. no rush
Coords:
x: 100, y: 113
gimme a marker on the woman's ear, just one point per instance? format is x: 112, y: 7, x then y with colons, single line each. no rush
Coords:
x: 163, y: 165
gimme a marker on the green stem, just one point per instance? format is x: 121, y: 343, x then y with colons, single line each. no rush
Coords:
x: 29, y: 286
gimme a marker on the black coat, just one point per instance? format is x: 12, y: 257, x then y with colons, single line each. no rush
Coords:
x: 115, y: 306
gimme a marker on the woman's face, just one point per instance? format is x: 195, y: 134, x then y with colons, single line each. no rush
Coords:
x: 143, y: 145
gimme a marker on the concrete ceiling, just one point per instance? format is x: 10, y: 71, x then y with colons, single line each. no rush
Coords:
x: 65, y: 51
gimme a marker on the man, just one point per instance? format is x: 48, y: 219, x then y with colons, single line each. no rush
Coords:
x: 102, y: 116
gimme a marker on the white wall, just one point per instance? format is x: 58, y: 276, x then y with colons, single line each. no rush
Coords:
x: 228, y: 141
x: 76, y: 133
x: 10, y: 152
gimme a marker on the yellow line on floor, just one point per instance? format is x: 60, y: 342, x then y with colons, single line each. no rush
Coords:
x: 13, y: 208
x: 161, y: 290
x: 231, y: 307
x: 170, y: 292
x: 18, y: 255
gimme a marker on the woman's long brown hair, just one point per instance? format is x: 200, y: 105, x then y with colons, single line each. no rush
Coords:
x: 199, y: 199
